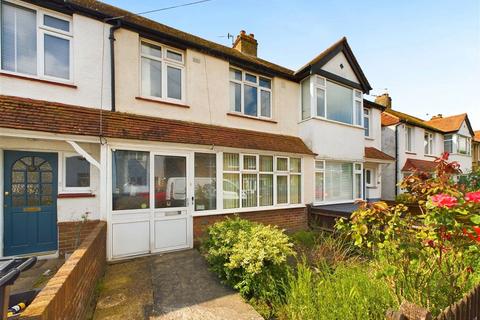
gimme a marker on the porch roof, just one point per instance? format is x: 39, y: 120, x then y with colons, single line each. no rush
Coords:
x: 375, y: 154
x: 45, y: 116
x: 419, y: 165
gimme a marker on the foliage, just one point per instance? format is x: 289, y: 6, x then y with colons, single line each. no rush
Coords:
x: 430, y: 259
x: 305, y: 238
x: 470, y: 181
x: 347, y: 292
x: 248, y: 256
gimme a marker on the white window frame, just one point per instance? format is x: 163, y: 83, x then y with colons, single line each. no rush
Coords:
x: 429, y: 145
x: 452, y: 139
x: 319, y: 82
x: 367, y: 114
x: 63, y: 184
x: 468, y: 145
x: 242, y: 84
x: 409, y: 140
x: 41, y: 31
x: 165, y: 63
x: 322, y: 171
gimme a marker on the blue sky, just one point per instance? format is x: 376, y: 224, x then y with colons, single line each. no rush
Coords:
x: 425, y: 52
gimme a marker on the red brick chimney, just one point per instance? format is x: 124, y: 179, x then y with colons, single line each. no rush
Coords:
x: 246, y: 43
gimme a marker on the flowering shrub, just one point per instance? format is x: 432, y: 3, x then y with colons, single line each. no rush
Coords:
x: 430, y: 259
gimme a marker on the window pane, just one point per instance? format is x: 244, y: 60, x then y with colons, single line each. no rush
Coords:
x: 282, y: 164
x: 340, y: 103
x: 368, y: 176
x: 282, y: 189
x: 77, y: 172
x: 249, y: 190
x: 358, y: 113
x: 170, y: 181
x: 151, y: 50
x: 266, y: 83
x: 448, y: 145
x: 320, y: 102
x: 19, y: 39
x: 174, y: 56
x: 250, y: 100
x: 358, y: 186
x: 57, y: 57
x: 306, y: 99
x: 250, y: 77
x: 151, y: 78
x: 338, y: 181
x: 56, y: 23
x: 295, y: 189
x: 235, y: 96
x: 319, y: 193
x: 265, y: 103
x: 266, y: 163
x: 231, y: 190
x: 249, y: 163
x: 295, y: 165
x: 235, y: 74
x: 319, y: 164
x: 266, y: 189
x: 174, y: 83
x: 205, y: 181
x: 231, y: 162
x: 131, y: 189
x: 366, y: 121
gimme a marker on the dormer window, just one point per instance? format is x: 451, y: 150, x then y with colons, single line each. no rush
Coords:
x: 250, y: 94
x: 162, y: 71
x: 35, y: 43
x: 322, y: 98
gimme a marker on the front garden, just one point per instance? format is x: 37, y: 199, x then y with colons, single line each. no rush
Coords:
x: 385, y: 255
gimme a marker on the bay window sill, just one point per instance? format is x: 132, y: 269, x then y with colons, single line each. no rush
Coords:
x: 241, y: 115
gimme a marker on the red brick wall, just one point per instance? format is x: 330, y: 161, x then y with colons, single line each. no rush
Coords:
x: 291, y: 219
x: 68, y: 294
x: 69, y: 232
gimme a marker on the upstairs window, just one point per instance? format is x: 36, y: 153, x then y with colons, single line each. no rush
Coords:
x: 448, y: 143
x: 409, y: 142
x: 428, y: 143
x: 162, y: 72
x: 327, y: 99
x: 250, y: 94
x: 366, y: 122
x: 35, y: 43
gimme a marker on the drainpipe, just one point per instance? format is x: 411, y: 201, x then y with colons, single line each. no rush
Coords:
x: 396, y: 160
x: 112, y: 61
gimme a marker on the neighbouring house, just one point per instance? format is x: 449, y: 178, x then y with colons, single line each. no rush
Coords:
x: 416, y: 143
x: 476, y: 150
x: 161, y: 133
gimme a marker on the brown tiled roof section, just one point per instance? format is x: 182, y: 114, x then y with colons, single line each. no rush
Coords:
x: 448, y: 124
x: 388, y: 120
x: 419, y: 165
x: 374, y: 153
x: 477, y: 136
x: 38, y: 115
x: 112, y: 11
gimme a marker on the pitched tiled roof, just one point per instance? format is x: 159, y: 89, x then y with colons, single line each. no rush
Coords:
x: 477, y: 136
x: 412, y: 165
x: 448, y: 124
x: 39, y: 115
x: 374, y: 153
x: 391, y: 117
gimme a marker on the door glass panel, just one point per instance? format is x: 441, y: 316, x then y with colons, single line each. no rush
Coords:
x: 18, y: 177
x: 18, y: 201
x: 45, y: 166
x: 46, y: 189
x: 47, y: 177
x: 170, y: 181
x: 18, y: 188
x: 33, y: 176
x: 46, y: 200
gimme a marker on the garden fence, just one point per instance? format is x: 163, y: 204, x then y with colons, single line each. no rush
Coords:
x: 467, y: 308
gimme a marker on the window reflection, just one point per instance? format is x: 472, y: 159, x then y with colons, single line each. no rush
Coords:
x: 170, y: 181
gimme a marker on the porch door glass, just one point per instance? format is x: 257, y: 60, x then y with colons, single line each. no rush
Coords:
x: 30, y: 202
x: 170, y: 181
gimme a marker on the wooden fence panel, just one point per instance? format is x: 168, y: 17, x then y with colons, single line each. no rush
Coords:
x: 468, y: 308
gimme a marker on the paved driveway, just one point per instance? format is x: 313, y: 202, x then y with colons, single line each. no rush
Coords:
x: 170, y: 286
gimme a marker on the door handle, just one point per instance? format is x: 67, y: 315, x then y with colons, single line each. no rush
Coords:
x: 7, y: 193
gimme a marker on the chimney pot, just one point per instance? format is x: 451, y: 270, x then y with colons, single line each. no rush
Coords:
x: 438, y: 116
x: 385, y: 100
x: 246, y: 44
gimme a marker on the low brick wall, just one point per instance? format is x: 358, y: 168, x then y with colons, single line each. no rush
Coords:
x: 68, y: 232
x: 68, y: 294
x: 290, y: 219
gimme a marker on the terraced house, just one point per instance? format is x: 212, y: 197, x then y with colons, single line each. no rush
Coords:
x: 160, y: 133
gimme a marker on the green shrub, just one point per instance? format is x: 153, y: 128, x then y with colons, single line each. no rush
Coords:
x: 348, y: 292
x: 305, y: 238
x: 248, y: 256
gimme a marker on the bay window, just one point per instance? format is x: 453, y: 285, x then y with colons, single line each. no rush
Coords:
x: 323, y: 98
x: 448, y: 143
x: 428, y: 143
x: 34, y: 42
x: 463, y: 145
x: 250, y: 94
x: 162, y: 72
x: 260, y: 180
x: 337, y: 181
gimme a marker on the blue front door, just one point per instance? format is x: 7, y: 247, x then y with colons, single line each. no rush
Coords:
x: 30, y: 211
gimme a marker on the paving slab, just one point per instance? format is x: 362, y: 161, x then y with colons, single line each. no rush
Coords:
x: 173, y: 286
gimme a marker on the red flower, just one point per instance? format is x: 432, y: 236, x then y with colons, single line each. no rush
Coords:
x: 474, y: 236
x: 473, y: 196
x: 443, y: 200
